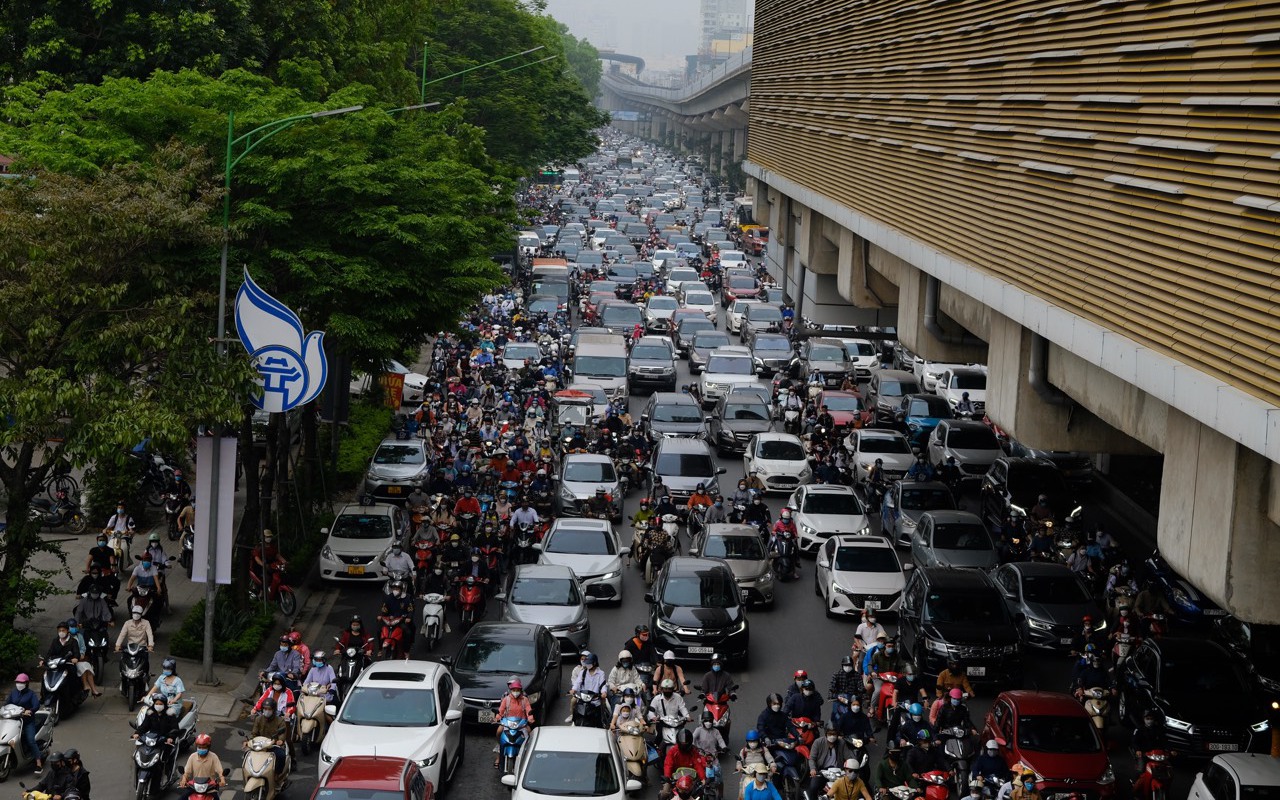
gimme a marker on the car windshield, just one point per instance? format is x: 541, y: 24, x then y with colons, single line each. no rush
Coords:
x: 699, y: 299
x: 589, y: 472
x: 566, y: 774
x: 729, y: 365
x: 543, y: 305
x: 710, y: 340
x: 752, y: 411
x: 519, y: 352
x: 772, y: 344
x: 333, y: 793
x: 1185, y: 677
x: 497, y: 656
x: 625, y: 273
x: 676, y: 412
x: 600, y: 366
x: 961, y: 536
x: 389, y: 707
x: 783, y: 450
x: 832, y: 503
x: 764, y: 313
x: 361, y: 526
x: 842, y: 402
x: 399, y: 454
x: 866, y: 559
x: 883, y: 444
x: 928, y: 407
x: 580, y: 541
x: 966, y: 380
x: 826, y: 354
x: 747, y: 548
x: 923, y: 499
x: 1049, y: 734
x: 602, y: 286
x: 1030, y: 480
x: 545, y: 592
x: 1054, y: 589
x: 742, y: 283
x: 662, y: 302
x: 985, y: 608
x: 681, y: 275
x: 620, y: 314
x: 972, y: 439
x: 556, y: 288
x: 689, y: 326
x: 650, y: 352
x: 687, y: 465
x: 714, y: 588
x: 862, y: 349
x: 898, y: 388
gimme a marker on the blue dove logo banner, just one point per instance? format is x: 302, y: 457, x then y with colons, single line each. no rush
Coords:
x: 291, y: 367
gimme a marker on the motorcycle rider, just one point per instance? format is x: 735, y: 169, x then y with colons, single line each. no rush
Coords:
x: 924, y: 757
x: 599, y: 505
x: 1024, y: 787
x: 888, y: 659
x: 278, y: 697
x: 1091, y: 675
x: 624, y: 709
x: 955, y: 677
x: 169, y: 685
x: 827, y: 751
x: 203, y: 763
x: 77, y: 775
x: 102, y: 556
x: 805, y: 703
x: 760, y: 787
x: 137, y: 630
x: 785, y: 527
x: 399, y: 561
x: 864, y: 638
x: 22, y: 695
x: 666, y: 703
x: 321, y: 672
x: 513, y: 704
x: 716, y: 513
x: 266, y: 555
x: 856, y: 723
x: 716, y: 680
x: 758, y: 514
x: 990, y: 766
x: 955, y: 714
x: 670, y: 670
x: 158, y: 720
x: 921, y: 470
x: 849, y: 786
x: 120, y: 522
x: 754, y: 753
x: 398, y: 603
x: 271, y: 725
x: 641, y: 647
x: 354, y: 635
x: 623, y: 674
x: 742, y: 495
x: 590, y: 679
x: 455, y: 553
x: 909, y: 729
x: 707, y: 739
x: 683, y: 755
x: 285, y: 661
x: 1149, y: 736
x: 56, y: 780
x: 892, y: 771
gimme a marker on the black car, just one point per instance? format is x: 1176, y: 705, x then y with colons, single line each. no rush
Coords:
x: 1257, y: 645
x: 494, y: 652
x: 1190, y: 605
x: 703, y: 343
x: 736, y: 418
x: 1013, y: 486
x: 959, y: 613
x: 686, y: 328
x: 696, y: 611
x: 771, y: 352
x: 1201, y: 693
x: 669, y: 414
x: 826, y: 356
x: 1049, y: 602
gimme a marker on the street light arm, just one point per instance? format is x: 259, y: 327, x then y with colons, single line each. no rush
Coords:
x: 485, y: 64
x: 271, y: 129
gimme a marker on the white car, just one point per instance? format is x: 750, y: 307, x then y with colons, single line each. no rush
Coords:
x: 865, y: 356
x: 733, y: 259
x: 590, y: 548
x: 358, y: 539
x: 733, y: 317
x: 415, y: 383
x: 681, y: 275
x: 824, y: 510
x: 561, y: 762
x: 661, y: 257
x: 854, y: 574
x: 702, y: 301
x: 956, y: 382
x: 779, y: 460
x: 726, y: 367
x: 400, y: 709
x: 1237, y: 776
x: 928, y: 373
x: 865, y: 445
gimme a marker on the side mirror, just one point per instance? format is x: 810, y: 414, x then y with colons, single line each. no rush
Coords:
x: 909, y: 566
x: 644, y: 417
x: 648, y: 597
x: 501, y: 597
x: 721, y: 470
x: 589, y: 599
x: 624, y: 551
x: 509, y: 781
x: 446, y: 660
x: 888, y: 501
x: 331, y: 710
x: 324, y: 531
x: 452, y: 715
x: 536, y: 546
x: 632, y: 785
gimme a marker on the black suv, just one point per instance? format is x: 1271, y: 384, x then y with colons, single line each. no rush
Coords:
x: 1014, y: 485
x: 959, y: 613
x: 494, y: 652
x: 696, y: 610
x: 736, y: 418
x: 827, y: 356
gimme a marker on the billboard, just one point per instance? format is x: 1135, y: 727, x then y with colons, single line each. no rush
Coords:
x: 626, y: 116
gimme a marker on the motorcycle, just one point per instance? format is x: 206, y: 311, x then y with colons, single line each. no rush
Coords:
x: 143, y: 597
x: 522, y: 551
x: 885, y: 699
x: 958, y: 747
x: 209, y: 787
x: 172, y: 506
x: 470, y: 602
x: 13, y: 754
x: 1125, y: 643
x: 260, y: 770
x: 354, y: 660
x: 588, y: 709
x: 186, y: 554
x: 635, y: 750
x: 514, y: 733
x: 718, y: 705
x: 120, y: 542
x: 791, y: 755
x: 278, y: 592
x: 61, y: 690
x: 59, y: 512
x: 312, y: 716
x: 937, y: 785
x: 859, y: 755
x: 188, y: 718
x: 433, y: 622
x: 134, y: 678
x: 391, y: 637
x: 95, y: 645
x: 1156, y: 762
x: 785, y: 550
x: 1097, y: 704
x: 155, y: 766
x: 829, y: 775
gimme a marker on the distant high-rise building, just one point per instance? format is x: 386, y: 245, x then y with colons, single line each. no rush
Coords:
x: 725, y: 19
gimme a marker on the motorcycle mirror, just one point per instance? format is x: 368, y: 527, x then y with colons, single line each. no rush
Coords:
x: 509, y: 780
x: 331, y: 710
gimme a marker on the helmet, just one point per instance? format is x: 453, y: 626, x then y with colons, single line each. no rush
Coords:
x: 707, y: 717
x: 753, y: 735
x: 956, y: 694
x: 670, y: 655
x: 992, y: 744
x: 155, y: 537
x: 644, y: 501
x: 786, y: 513
x: 701, y: 487
x: 56, y: 757
x: 169, y: 663
x: 716, y: 658
x: 685, y: 739
x: 204, y: 740
x: 800, y: 675
x: 806, y: 684
x: 624, y: 655
x: 285, y: 639
x: 850, y: 764
x: 684, y: 784
x: 22, y: 678
x: 71, y: 754
x: 668, y: 684
x: 641, y: 629
x: 592, y: 660
x: 915, y: 709
x: 599, y: 490
x: 295, y: 638
x: 923, y: 735
x: 515, y: 683
x: 847, y: 661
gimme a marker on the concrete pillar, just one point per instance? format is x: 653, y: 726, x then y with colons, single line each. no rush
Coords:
x: 726, y: 151
x: 911, y: 330
x: 1218, y: 518
x: 739, y: 144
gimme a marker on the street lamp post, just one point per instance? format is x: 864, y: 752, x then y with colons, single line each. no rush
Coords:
x: 426, y: 83
x: 248, y: 141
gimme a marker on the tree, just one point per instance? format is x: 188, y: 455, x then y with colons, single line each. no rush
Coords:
x: 103, y: 328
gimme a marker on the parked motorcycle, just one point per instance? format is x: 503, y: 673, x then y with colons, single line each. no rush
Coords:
x: 514, y: 733
x: 278, y: 592
x: 13, y: 753
x: 59, y: 512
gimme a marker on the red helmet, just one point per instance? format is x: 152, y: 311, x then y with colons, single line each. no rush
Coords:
x: 685, y: 785
x: 515, y: 683
x: 204, y: 740
x: 800, y: 675
x: 295, y: 638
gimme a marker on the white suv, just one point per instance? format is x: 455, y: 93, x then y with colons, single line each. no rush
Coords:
x: 726, y: 367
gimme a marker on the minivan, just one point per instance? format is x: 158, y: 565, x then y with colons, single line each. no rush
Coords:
x: 886, y: 390
x: 601, y: 359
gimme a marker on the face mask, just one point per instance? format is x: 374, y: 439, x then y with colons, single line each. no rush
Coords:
x: 871, y: 620
x: 167, y: 672
x: 136, y: 617
x: 707, y: 725
x: 102, y: 543
x: 775, y: 708
x: 888, y: 651
x: 62, y: 635
x: 20, y: 686
x: 955, y: 701
x: 75, y: 630
x: 395, y: 551
x: 515, y: 692
x: 159, y: 708
x: 284, y: 648
x: 666, y: 692
x: 1150, y: 723
x: 146, y: 565
x: 475, y: 559
x: 120, y: 510
x: 808, y: 692
x: 202, y: 751
x: 846, y: 668
x: 715, y: 667
x: 855, y: 709
x: 278, y: 687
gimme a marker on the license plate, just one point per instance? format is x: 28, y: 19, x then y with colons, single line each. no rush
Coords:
x: 393, y: 490
x: 355, y: 570
x: 1222, y: 747
x: 873, y: 605
x: 484, y: 715
x: 977, y: 672
x: 1066, y: 641
x: 701, y: 651
x: 744, y: 593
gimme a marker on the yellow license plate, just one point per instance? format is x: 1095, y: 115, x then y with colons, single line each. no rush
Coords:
x: 393, y: 490
x: 355, y: 570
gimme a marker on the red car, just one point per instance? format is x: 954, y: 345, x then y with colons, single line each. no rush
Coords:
x: 1051, y: 733
x: 374, y: 778
x: 846, y: 408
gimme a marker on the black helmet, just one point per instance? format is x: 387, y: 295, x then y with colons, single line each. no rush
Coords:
x: 169, y: 663
x: 847, y: 661
x: 641, y: 629
x: 684, y: 739
x: 707, y: 717
x: 71, y: 754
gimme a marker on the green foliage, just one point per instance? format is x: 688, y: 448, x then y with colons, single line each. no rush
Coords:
x: 18, y: 649
x: 108, y: 481
x: 238, y: 633
x: 368, y: 425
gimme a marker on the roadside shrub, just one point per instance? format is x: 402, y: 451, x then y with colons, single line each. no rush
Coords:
x: 238, y: 633
x: 368, y: 425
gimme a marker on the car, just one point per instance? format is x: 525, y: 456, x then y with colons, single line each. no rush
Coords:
x: 359, y: 538
x: 868, y: 444
x: 825, y: 356
x: 1257, y: 645
x: 585, y: 330
x: 703, y: 301
x: 729, y: 259
x: 657, y: 313
x: 396, y: 466
x: 918, y: 414
x: 679, y: 275
x: 726, y: 367
x: 685, y: 330
x: 549, y: 595
x: 1237, y: 776
x: 590, y: 548
x: 399, y: 710
x: 514, y: 354
x: 956, y: 382
x: 904, y: 359
x: 857, y: 574
x: 620, y: 317
x: 821, y: 511
x: 953, y: 539
x: 972, y: 444
x: 736, y: 286
x: 1012, y: 486
x: 736, y: 309
x: 760, y: 318
x: 885, y: 391
x: 1049, y: 603
x: 625, y: 276
x: 905, y: 501
x: 1190, y: 605
x: 683, y: 464
x: 741, y: 547
x: 1076, y: 467
x: 559, y: 762
x: 594, y: 303
x: 737, y: 417
x: 864, y: 355
x: 930, y: 372
x: 375, y: 778
x: 696, y: 611
x: 845, y: 407
x: 492, y: 653
x: 415, y: 383
x: 770, y: 352
x: 671, y: 414
x: 700, y: 349
x: 950, y: 613
x: 581, y: 474
x: 1180, y: 678
x: 1050, y: 733
x: 779, y: 460
x: 652, y: 364
x: 543, y: 304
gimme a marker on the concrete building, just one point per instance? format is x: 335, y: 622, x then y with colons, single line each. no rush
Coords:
x: 1083, y: 194
x: 724, y: 20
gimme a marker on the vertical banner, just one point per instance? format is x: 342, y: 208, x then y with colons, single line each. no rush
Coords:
x: 393, y: 385
x: 226, y: 508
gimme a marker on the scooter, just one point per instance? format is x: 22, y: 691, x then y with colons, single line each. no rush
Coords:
x: 61, y: 690
x: 172, y: 505
x: 515, y: 731
x: 120, y: 542
x: 95, y: 645
x: 958, y: 747
x: 470, y: 602
x: 13, y: 754
x: 312, y: 719
x: 391, y: 637
x: 186, y: 555
x: 188, y: 718
x: 718, y: 705
x: 260, y: 770
x: 888, y: 688
x: 354, y: 660
x: 149, y: 601
x: 1097, y: 705
x: 635, y: 750
x: 1156, y: 762
x: 209, y: 787
x: 522, y: 551
x: 791, y: 755
x: 937, y: 785
x: 784, y: 549
x: 830, y: 775
x: 134, y: 678
x: 433, y: 622
x: 669, y: 725
x: 59, y: 512
x: 588, y: 709
x: 155, y: 766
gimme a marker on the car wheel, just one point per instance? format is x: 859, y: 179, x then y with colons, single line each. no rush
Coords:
x: 817, y: 588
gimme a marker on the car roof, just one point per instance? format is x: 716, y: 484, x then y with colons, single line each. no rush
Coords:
x: 946, y: 517
x: 957, y: 578
x: 683, y: 445
x: 879, y: 433
x: 679, y: 398
x: 568, y: 738
x: 731, y: 529
x: 594, y: 458
x: 863, y: 541
x: 972, y: 369
x: 546, y: 571
x: 971, y: 424
x: 829, y: 488
x: 1026, y: 701
x: 1251, y: 769
x: 692, y: 565
x: 779, y: 436
x: 402, y: 674
x: 367, y: 772
x: 504, y: 631
x: 581, y: 523
x: 371, y: 510
x: 1018, y: 462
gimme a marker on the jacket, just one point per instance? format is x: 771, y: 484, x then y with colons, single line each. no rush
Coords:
x: 208, y: 767
x: 510, y: 706
x: 847, y: 788
x: 677, y: 759
x: 164, y: 724
x: 822, y: 751
x: 888, y: 776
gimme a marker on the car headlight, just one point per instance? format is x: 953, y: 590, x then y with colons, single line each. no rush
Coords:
x: 1108, y: 775
x: 739, y: 628
x: 1260, y: 727
x: 534, y: 697
x: 327, y: 552
x: 760, y: 468
x: 865, y: 530
x: 1036, y: 624
x: 805, y: 471
x: 665, y: 626
x: 808, y: 530
x: 841, y: 590
x: 567, y: 495
x: 1178, y: 725
x: 428, y: 761
x: 907, y: 522
x: 766, y: 578
x: 937, y: 646
x: 326, y: 758
x: 1017, y: 510
x: 579, y: 627
x: 608, y: 576
x: 1010, y: 649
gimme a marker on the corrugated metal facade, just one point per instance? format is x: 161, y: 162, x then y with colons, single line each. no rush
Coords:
x: 1118, y: 158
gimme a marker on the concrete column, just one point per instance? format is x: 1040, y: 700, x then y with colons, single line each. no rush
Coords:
x: 911, y: 323
x: 739, y: 144
x: 726, y: 151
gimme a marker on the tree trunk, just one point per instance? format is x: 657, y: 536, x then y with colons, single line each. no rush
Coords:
x: 20, y: 535
x: 271, y: 466
x: 310, y: 468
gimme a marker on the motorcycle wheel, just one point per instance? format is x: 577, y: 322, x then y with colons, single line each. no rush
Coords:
x: 76, y: 523
x: 96, y: 661
x: 143, y: 792
x: 287, y: 600
x: 6, y: 766
x: 55, y: 709
x: 155, y: 494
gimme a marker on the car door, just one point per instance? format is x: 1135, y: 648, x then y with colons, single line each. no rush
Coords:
x: 908, y: 620
x: 937, y: 439
x: 449, y: 699
x: 921, y: 543
x: 749, y: 454
x: 1141, y: 682
x: 824, y: 565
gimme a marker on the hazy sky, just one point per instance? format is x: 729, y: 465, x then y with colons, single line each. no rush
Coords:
x: 662, y: 32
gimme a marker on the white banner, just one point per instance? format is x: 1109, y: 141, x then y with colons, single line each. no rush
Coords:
x: 226, y: 508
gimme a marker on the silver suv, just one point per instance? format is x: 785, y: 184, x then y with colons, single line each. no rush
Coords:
x: 397, y: 464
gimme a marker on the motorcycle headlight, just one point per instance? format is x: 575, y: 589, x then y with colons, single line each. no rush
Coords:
x: 1036, y: 624
x: 1178, y: 724
x: 1108, y: 775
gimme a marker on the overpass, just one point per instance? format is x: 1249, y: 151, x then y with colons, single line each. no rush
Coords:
x: 706, y: 117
